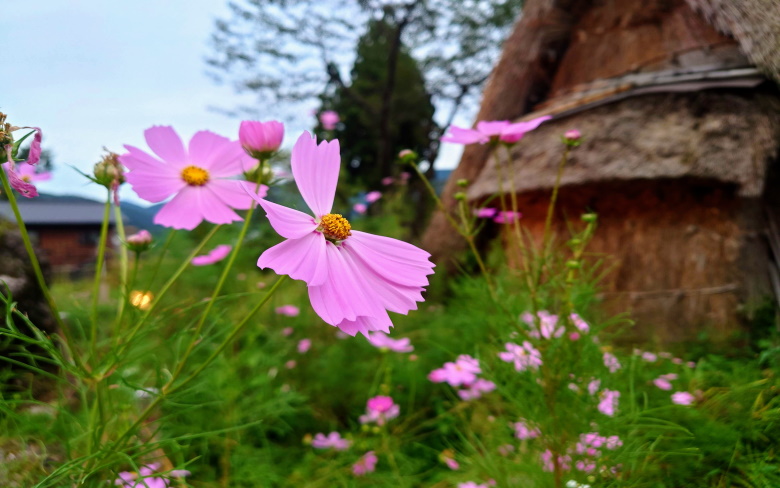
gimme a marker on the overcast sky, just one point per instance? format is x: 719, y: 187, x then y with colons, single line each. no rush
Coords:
x: 94, y: 73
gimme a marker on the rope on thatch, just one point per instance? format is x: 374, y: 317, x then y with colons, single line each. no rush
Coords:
x: 754, y: 23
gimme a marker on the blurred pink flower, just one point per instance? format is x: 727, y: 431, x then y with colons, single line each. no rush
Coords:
x: 548, y: 325
x: 383, y: 341
x: 366, y: 464
x: 304, y: 345
x: 198, y: 177
x: 260, y: 139
x: 463, y: 371
x: 28, y: 174
x: 405, y: 175
x: 579, y: 323
x: 291, y: 364
x: 144, y: 478
x: 564, y: 461
x: 388, y: 180
x: 451, y: 463
x: 379, y: 410
x: 214, y: 256
x: 608, y: 402
x: 593, y: 386
x: 572, y: 135
x: 140, y: 241
x: 287, y: 331
x: 507, y: 217
x: 611, y: 362
x: 662, y: 383
x: 353, y: 278
x: 485, y: 213
x: 486, y: 131
x: 523, y: 357
x: 373, y: 196
x: 649, y: 357
x: 25, y: 188
x: 682, y: 398
x: 574, y: 336
x: 332, y: 441
x: 524, y: 430
x: 472, y: 484
x: 288, y: 310
x: 585, y: 466
x: 475, y: 390
x: 360, y: 208
x: 329, y: 119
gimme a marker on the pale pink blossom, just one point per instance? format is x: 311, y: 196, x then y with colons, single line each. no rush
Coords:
x: 373, y: 196
x: 579, y: 323
x: 649, y: 357
x: 260, y: 139
x: 463, y: 371
x: 608, y: 402
x: 451, y: 463
x: 593, y: 386
x: 353, y: 278
x: 662, y: 383
x: 304, y: 345
x: 472, y: 484
x: 611, y: 362
x: 523, y: 357
x: 682, y: 398
x: 200, y: 177
x: 585, y: 465
x: 140, y: 241
x: 486, y: 131
x: 379, y: 410
x: 331, y: 441
x: 572, y: 135
x: 366, y: 464
x: 145, y: 477
x: 387, y: 180
x: 574, y: 336
x: 383, y: 341
x: 329, y: 119
x: 475, y: 390
x: 525, y: 430
x: 507, y: 217
x: 214, y: 256
x: 548, y: 325
x: 288, y: 310
x: 485, y: 213
x: 360, y: 208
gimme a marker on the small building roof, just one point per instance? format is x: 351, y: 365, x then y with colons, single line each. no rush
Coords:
x: 57, y: 210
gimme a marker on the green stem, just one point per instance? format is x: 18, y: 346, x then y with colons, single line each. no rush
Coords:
x: 69, y: 341
x: 201, y: 322
x: 554, y: 199
x: 98, y: 271
x: 158, y: 264
x: 123, y: 262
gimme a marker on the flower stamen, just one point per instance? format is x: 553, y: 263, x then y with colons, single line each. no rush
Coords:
x: 194, y: 176
x: 335, y: 227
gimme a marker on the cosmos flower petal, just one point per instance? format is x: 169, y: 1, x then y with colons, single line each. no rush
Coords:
x: 315, y: 169
x: 35, y: 147
x: 364, y: 325
x: 24, y: 188
x: 287, y: 222
x: 523, y: 127
x: 301, y: 259
x: 493, y: 127
x: 166, y: 144
x: 214, y: 256
x: 459, y: 135
x: 394, y: 260
x: 154, y: 187
x: 233, y: 194
x: 191, y: 206
x: 208, y: 146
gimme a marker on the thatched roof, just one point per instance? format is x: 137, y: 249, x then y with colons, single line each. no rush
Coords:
x: 713, y: 135
x: 754, y: 23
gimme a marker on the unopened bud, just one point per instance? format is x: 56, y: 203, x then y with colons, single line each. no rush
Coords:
x: 407, y: 156
x: 307, y: 440
x: 140, y: 241
x: 463, y: 182
x: 460, y: 196
x: 575, y: 242
x: 108, y: 172
x: 589, y: 217
x: 571, y: 264
x: 572, y: 138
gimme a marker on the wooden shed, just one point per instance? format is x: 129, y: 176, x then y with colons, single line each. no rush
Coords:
x: 679, y: 107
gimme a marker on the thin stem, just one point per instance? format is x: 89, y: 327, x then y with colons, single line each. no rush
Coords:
x: 201, y: 322
x: 157, y: 265
x: 123, y: 263
x: 554, y: 198
x: 98, y: 272
x: 69, y: 341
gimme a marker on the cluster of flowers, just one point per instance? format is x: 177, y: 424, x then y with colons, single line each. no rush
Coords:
x: 462, y: 374
x: 498, y: 216
x: 585, y: 455
x: 379, y: 410
x: 145, y: 478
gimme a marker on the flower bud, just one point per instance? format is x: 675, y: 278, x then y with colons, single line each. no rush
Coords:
x: 329, y: 119
x: 140, y: 241
x: 571, y: 264
x: 589, y: 217
x: 460, y: 196
x: 572, y: 138
x: 463, y: 182
x: 407, y: 156
x: 108, y: 172
x: 261, y: 139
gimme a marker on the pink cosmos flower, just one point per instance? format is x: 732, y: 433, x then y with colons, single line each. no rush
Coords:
x: 198, y: 177
x: 28, y: 174
x: 501, y: 130
x: 507, y: 217
x: 579, y: 323
x: 609, y: 402
x: 593, y: 386
x: 485, y: 213
x: 682, y: 398
x: 574, y: 336
x: 261, y: 139
x: 373, y: 196
x: 35, y: 146
x: 379, y: 410
x: 304, y: 345
x: 144, y: 478
x: 472, y: 484
x: 332, y: 441
x: 354, y: 278
x: 329, y: 119
x: 548, y: 325
x: 572, y: 135
x: 662, y: 383
x: 524, y: 357
x: 611, y: 362
x: 360, y: 208
x: 451, y: 463
x: 547, y: 461
x: 214, y: 256
x: 381, y: 340
x: 288, y: 310
x: 405, y: 175
x: 649, y: 357
x: 464, y: 371
x: 387, y: 180
x: 287, y: 331
x: 366, y: 464
x: 475, y: 390
x: 140, y: 241
x: 524, y: 430
x: 25, y: 188
x: 585, y: 466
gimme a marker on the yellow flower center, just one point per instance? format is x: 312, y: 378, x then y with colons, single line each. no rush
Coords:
x: 26, y: 178
x: 194, y: 176
x: 335, y: 227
